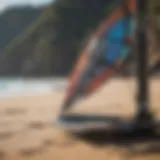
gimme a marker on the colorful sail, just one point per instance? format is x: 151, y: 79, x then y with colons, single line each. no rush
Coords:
x: 104, y: 54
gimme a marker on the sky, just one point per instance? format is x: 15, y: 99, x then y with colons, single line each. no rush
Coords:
x: 7, y: 3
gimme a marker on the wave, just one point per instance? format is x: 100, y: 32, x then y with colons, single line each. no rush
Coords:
x: 29, y: 87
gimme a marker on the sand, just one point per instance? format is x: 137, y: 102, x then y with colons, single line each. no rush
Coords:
x: 27, y: 133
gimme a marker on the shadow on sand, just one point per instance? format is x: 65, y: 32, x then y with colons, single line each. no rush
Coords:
x: 137, y: 142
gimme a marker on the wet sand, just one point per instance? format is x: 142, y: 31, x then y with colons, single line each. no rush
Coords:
x: 26, y: 130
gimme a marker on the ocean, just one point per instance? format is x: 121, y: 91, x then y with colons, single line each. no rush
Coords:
x: 12, y: 87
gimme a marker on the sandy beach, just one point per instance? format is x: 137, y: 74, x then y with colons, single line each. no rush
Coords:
x: 27, y: 133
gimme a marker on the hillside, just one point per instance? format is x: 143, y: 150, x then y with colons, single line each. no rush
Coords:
x: 14, y: 20
x: 52, y: 43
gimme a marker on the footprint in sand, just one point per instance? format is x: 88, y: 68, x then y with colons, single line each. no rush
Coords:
x: 4, y: 135
x: 2, y: 155
x: 15, y: 111
x: 48, y: 142
x: 37, y: 125
x: 27, y: 152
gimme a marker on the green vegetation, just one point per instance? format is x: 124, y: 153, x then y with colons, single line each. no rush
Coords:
x: 154, y: 7
x: 13, y: 21
x: 51, y: 44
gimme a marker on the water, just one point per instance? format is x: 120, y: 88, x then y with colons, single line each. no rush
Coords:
x: 12, y: 87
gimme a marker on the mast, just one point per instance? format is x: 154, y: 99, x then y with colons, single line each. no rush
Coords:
x: 142, y: 61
